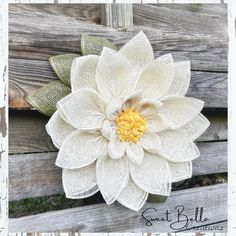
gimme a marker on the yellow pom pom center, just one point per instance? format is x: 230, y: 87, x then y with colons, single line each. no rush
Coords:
x: 130, y: 126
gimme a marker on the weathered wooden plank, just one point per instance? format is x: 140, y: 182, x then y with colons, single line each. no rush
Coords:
x: 28, y: 75
x: 81, y: 12
x: 34, y: 175
x: 116, y: 218
x: 28, y: 134
x: 43, y: 38
x: 206, y: 19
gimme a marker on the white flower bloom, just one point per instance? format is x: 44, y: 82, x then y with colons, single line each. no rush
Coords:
x: 127, y: 128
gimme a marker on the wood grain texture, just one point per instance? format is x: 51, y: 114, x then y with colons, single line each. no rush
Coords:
x: 202, y: 19
x: 34, y: 175
x: 113, y: 218
x: 28, y: 134
x: 43, y: 38
x: 29, y: 75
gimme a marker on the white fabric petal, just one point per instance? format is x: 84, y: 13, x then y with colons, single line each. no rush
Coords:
x: 112, y: 177
x: 84, y: 109
x: 156, y: 78
x: 106, y: 129
x: 180, y: 83
x: 113, y: 108
x: 81, y: 149
x: 151, y: 142
x: 180, y: 171
x: 135, y: 153
x: 80, y: 183
x: 196, y: 127
x: 177, y: 111
x: 83, y: 72
x: 114, y: 76
x: 177, y: 147
x: 138, y: 51
x: 132, y: 196
x: 153, y: 175
x: 156, y: 124
x: 116, y: 148
x: 58, y: 129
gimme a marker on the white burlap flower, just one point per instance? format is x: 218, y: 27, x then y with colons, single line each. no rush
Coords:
x: 127, y: 128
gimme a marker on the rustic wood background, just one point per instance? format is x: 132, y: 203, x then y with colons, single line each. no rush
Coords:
x: 197, y: 32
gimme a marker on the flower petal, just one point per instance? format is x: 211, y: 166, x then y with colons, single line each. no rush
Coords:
x: 180, y: 171
x: 84, y: 109
x: 156, y: 124
x: 112, y: 177
x: 151, y: 142
x: 138, y: 51
x: 180, y: 83
x: 132, y: 196
x: 177, y: 111
x: 58, y: 129
x: 116, y: 148
x: 196, y: 127
x: 83, y: 72
x: 114, y: 76
x: 106, y: 129
x: 81, y: 149
x: 156, y: 78
x: 135, y: 153
x: 153, y: 176
x: 80, y: 183
x: 177, y: 147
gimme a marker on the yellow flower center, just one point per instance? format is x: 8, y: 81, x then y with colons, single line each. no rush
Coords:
x: 130, y: 126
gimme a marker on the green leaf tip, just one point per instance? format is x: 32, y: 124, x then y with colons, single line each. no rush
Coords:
x: 46, y: 98
x: 92, y: 45
x: 61, y: 65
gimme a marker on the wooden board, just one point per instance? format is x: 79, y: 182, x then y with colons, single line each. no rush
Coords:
x: 34, y: 175
x: 43, y: 38
x: 116, y: 218
x: 28, y: 134
x: 29, y: 75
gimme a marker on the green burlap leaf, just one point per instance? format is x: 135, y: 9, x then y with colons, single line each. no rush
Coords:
x: 46, y: 98
x: 92, y: 45
x: 156, y: 198
x: 61, y: 65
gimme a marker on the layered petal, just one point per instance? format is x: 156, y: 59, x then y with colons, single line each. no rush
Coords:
x: 81, y: 149
x: 153, y: 176
x: 177, y: 111
x: 180, y: 83
x: 83, y: 72
x: 180, y: 171
x: 156, y: 78
x: 58, y: 129
x: 112, y: 177
x: 151, y: 142
x: 149, y: 109
x: 177, y: 147
x: 114, y: 76
x: 132, y: 196
x: 80, y: 183
x: 135, y: 153
x: 196, y: 127
x: 116, y: 148
x: 84, y: 109
x: 138, y: 51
